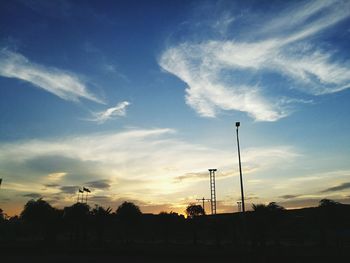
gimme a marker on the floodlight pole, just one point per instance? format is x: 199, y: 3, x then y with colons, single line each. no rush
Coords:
x: 212, y: 191
x: 240, y: 167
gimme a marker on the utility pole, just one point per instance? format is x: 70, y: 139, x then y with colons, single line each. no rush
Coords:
x: 203, y: 199
x: 239, y: 206
x: 240, y: 167
x: 212, y: 190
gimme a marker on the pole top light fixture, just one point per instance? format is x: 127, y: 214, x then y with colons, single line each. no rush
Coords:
x: 212, y: 170
x: 238, y: 124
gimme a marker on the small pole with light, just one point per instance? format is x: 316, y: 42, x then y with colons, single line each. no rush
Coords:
x: 203, y: 200
x: 240, y: 167
x: 239, y: 205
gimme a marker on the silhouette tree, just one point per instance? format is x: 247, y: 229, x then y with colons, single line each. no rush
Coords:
x: 170, y: 225
x: 271, y: 207
x: 267, y: 219
x: 274, y: 207
x: 41, y: 217
x: 76, y: 217
x: 101, y: 220
x: 128, y: 215
x: 2, y: 216
x: 329, y: 214
x: 194, y: 210
x: 259, y: 208
x: 328, y: 203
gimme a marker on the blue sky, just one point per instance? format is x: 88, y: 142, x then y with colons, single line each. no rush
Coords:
x: 137, y: 99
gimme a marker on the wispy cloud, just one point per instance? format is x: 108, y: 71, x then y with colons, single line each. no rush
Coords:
x: 111, y: 113
x: 225, y: 74
x: 340, y: 187
x: 70, y: 189
x: 99, y: 184
x: 63, y: 84
x: 289, y: 196
x: 56, y: 176
x: 32, y: 195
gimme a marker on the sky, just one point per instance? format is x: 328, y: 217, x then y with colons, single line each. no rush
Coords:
x: 136, y: 100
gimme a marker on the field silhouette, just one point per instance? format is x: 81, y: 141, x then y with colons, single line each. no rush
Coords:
x: 269, y: 233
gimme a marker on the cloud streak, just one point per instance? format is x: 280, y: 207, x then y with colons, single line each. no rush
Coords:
x: 61, y: 83
x: 222, y: 75
x: 32, y: 195
x: 340, y: 187
x: 111, y: 113
x: 99, y: 184
x: 288, y: 196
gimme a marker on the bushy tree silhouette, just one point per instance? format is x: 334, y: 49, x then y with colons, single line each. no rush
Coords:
x: 169, y: 225
x: 194, y: 210
x: 328, y: 203
x: 328, y: 218
x: 267, y: 220
x: 41, y: 217
x: 76, y: 218
x: 128, y: 211
x: 128, y: 216
x: 268, y: 225
x: 101, y: 220
x: 2, y: 216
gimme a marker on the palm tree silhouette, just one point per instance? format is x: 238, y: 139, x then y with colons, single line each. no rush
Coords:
x: 101, y: 220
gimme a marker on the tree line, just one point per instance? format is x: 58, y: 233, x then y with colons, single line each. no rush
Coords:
x: 264, y: 226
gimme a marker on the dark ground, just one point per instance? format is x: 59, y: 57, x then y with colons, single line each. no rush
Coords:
x: 174, y: 253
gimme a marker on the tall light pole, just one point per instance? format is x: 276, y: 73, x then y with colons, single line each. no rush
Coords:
x: 212, y: 191
x: 240, y: 167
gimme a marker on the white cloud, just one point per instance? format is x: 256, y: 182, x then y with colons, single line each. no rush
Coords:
x: 142, y: 164
x: 294, y: 16
x: 200, y: 65
x: 111, y: 113
x: 214, y: 69
x: 56, y: 176
x: 63, y: 84
x: 223, y: 23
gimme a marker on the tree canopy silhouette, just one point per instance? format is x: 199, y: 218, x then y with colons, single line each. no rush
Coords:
x: 271, y: 207
x: 101, y: 220
x: 328, y: 203
x: 129, y: 215
x: 76, y: 217
x: 128, y: 211
x: 37, y: 211
x: 194, y: 210
x: 76, y: 213
x: 41, y: 216
x: 2, y: 215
